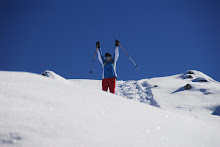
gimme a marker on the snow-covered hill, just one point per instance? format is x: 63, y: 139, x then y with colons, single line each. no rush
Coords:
x: 201, y: 101
x: 38, y: 110
x: 168, y: 92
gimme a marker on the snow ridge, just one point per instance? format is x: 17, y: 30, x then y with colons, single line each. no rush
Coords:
x: 200, y: 100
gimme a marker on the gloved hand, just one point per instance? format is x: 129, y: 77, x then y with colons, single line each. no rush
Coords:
x: 97, y: 44
x: 116, y: 42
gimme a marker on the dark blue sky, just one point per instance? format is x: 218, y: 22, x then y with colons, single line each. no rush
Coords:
x: 162, y: 37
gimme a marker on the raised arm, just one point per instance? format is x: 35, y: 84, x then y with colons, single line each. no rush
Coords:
x: 99, y: 51
x: 100, y: 56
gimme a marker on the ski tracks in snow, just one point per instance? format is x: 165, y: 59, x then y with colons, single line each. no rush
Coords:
x: 136, y: 90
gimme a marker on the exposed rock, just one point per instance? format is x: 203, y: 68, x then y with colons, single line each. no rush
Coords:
x: 190, y: 76
x: 186, y: 76
x: 187, y: 87
x: 43, y: 74
x: 190, y: 72
x: 203, y: 80
x: 155, y: 86
x: 200, y: 80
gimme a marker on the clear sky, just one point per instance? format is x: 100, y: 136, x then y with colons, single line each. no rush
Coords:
x: 162, y: 37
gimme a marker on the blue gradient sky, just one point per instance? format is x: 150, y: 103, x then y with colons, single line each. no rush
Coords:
x: 162, y: 37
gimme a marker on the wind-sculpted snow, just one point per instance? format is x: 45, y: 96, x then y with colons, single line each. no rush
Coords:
x: 136, y: 90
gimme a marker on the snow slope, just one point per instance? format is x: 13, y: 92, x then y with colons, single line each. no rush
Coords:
x: 168, y: 93
x: 201, y: 101
x: 42, y: 111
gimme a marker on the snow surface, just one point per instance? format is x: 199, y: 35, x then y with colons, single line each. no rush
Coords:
x: 199, y: 102
x: 36, y: 110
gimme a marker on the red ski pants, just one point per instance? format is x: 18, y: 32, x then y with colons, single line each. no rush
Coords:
x: 109, y: 83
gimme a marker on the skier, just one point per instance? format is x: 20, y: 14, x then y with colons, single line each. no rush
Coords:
x: 109, y: 67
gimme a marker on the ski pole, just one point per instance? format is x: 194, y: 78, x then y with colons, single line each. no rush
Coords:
x: 128, y: 56
x: 93, y: 60
x: 94, y: 57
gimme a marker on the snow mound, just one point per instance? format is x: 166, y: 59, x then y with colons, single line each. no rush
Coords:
x: 136, y: 90
x: 196, y: 100
x: 53, y: 75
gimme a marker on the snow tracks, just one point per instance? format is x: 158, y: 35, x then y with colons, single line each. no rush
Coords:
x: 136, y: 90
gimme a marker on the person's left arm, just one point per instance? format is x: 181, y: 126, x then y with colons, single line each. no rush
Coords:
x: 116, y: 53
